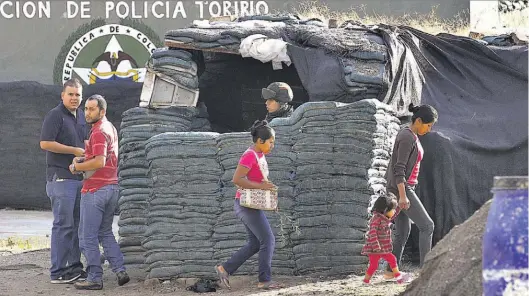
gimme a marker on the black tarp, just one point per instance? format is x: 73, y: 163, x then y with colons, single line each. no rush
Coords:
x: 341, y: 65
x: 481, y: 95
x: 323, y: 80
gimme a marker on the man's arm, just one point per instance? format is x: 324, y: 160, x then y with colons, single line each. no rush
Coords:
x: 56, y: 147
x: 50, y: 129
x: 91, y: 165
x: 98, y: 144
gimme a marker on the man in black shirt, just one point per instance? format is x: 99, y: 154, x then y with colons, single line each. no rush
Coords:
x: 63, y: 136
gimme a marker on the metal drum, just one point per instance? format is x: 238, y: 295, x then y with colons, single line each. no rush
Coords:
x: 505, y: 250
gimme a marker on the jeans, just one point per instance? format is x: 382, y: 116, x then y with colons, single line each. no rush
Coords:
x: 97, y: 215
x: 260, y: 239
x: 65, y: 195
x: 418, y: 214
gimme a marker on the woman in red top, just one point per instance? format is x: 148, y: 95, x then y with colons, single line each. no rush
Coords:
x: 378, y: 238
x: 402, y: 176
x: 249, y: 175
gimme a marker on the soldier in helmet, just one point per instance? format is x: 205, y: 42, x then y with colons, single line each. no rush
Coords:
x: 278, y: 95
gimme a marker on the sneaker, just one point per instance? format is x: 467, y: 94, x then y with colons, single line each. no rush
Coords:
x: 403, y: 278
x: 366, y: 283
x: 123, y: 278
x: 66, y: 279
x: 87, y: 285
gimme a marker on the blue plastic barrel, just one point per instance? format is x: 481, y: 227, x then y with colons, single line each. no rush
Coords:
x: 505, y: 243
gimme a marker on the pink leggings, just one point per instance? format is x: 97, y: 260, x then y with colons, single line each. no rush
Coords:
x: 374, y: 258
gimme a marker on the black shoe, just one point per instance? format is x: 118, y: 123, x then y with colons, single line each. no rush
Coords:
x: 123, y: 278
x: 82, y: 276
x: 86, y: 285
x: 66, y: 279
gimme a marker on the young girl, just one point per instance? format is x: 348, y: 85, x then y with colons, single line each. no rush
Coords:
x: 378, y: 238
x: 249, y: 175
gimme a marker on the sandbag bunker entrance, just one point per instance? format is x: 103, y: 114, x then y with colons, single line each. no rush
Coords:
x: 176, y: 200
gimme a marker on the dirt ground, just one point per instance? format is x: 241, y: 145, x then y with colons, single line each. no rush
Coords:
x: 27, y: 274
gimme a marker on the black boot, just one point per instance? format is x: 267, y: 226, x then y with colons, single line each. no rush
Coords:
x: 123, y: 278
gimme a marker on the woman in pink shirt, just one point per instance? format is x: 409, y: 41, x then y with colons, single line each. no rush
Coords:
x: 402, y: 176
x: 249, y: 175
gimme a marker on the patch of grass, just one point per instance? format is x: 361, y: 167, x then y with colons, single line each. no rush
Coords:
x: 430, y: 23
x: 15, y: 244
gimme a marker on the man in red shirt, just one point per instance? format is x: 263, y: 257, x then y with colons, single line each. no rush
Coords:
x: 99, y: 196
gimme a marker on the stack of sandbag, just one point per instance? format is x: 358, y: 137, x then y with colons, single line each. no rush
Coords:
x: 183, y: 206
x: 329, y: 164
x: 364, y: 67
x: 355, y: 42
x: 342, y: 155
x: 361, y: 55
x: 176, y: 64
x: 229, y: 232
x: 204, y: 34
x: 282, y: 168
x: 286, y: 18
x: 137, y: 126
x: 364, y: 78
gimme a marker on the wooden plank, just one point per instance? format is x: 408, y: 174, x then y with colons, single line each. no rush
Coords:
x: 227, y: 18
x: 176, y: 44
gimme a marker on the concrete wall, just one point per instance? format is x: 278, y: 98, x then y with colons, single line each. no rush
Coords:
x: 31, y: 45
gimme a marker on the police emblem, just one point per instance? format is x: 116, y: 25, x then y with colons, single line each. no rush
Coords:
x: 110, y: 52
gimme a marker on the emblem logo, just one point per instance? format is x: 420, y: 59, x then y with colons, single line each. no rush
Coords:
x: 112, y: 52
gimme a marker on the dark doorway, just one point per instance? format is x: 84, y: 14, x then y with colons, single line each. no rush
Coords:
x: 231, y: 87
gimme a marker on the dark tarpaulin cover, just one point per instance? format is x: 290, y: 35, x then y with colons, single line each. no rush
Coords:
x: 481, y: 95
x: 320, y: 73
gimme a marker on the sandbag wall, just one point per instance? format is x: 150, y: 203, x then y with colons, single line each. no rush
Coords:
x: 137, y: 126
x: 342, y: 152
x: 361, y: 61
x: 183, y: 206
x: 175, y: 64
x: 329, y: 161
